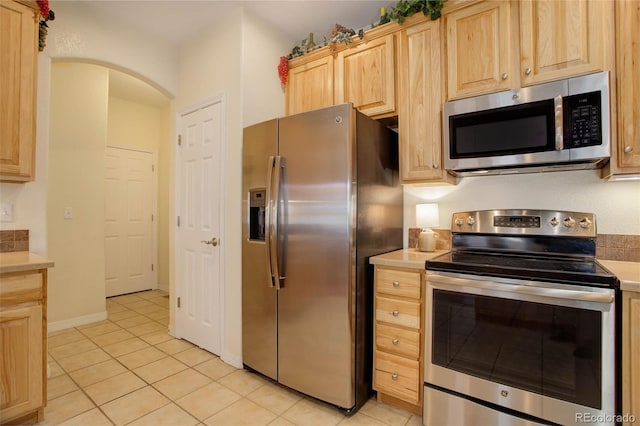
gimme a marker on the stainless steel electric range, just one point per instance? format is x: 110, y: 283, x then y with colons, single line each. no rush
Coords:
x: 521, y: 323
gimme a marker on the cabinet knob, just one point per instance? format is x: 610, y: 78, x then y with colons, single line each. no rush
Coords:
x: 504, y: 75
x: 628, y: 149
x: 395, y: 313
x: 394, y: 377
x: 527, y: 71
x: 396, y: 284
x: 435, y: 165
x: 395, y: 341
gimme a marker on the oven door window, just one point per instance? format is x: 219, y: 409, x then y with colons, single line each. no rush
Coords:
x: 519, y: 129
x: 547, y: 349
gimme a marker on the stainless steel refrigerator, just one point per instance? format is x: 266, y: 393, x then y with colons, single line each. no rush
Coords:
x: 321, y: 194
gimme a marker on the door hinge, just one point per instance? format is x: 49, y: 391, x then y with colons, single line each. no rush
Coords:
x: 151, y: 217
x: 152, y: 267
x: 179, y: 140
x: 153, y: 168
x: 178, y: 300
x: 178, y: 221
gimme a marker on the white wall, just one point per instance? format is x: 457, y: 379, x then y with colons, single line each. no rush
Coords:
x: 237, y: 58
x: 616, y: 204
x: 262, y: 93
x: 80, y: 34
x: 78, y: 133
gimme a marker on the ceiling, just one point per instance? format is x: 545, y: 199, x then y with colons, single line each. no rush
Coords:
x: 177, y: 21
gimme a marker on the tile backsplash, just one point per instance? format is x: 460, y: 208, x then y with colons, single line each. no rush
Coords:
x: 443, y: 241
x: 17, y: 240
x: 608, y: 246
x: 618, y: 247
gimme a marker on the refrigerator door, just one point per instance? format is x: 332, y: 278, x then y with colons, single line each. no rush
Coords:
x: 316, y: 312
x: 259, y: 297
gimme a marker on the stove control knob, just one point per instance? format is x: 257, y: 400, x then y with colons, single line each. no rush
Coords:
x: 459, y: 222
x: 569, y: 222
x: 585, y: 223
x: 471, y: 221
x: 555, y: 221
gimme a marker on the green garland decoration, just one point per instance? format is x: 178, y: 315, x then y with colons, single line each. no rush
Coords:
x: 340, y: 34
x: 406, y: 8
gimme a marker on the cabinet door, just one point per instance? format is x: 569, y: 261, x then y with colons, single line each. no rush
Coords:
x: 560, y: 39
x: 21, y: 360
x: 18, y: 56
x: 628, y: 85
x: 310, y: 86
x: 365, y: 76
x: 478, y: 49
x: 420, y: 103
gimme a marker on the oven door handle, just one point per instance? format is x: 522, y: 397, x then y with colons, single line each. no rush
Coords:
x: 578, y: 295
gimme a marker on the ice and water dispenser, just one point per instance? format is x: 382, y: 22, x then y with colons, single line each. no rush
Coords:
x: 256, y: 214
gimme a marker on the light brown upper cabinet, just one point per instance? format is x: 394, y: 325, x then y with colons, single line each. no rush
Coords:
x: 625, y: 155
x: 479, y: 52
x: 18, y: 80
x: 310, y: 84
x: 365, y: 76
x: 560, y: 39
x: 420, y: 97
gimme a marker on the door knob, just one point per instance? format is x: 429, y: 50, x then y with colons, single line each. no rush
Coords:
x: 213, y: 241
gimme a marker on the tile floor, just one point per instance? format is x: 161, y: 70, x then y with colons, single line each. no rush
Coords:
x: 127, y: 370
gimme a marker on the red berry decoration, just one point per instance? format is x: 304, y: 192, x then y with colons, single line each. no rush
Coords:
x: 283, y: 70
x: 43, y: 5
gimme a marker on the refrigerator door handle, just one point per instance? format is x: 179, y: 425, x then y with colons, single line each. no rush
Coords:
x: 275, y: 225
x: 267, y: 221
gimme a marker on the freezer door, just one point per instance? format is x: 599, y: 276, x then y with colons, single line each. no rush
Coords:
x: 315, y: 304
x: 259, y: 332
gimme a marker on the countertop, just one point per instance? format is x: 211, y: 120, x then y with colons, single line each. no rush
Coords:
x: 19, y: 261
x: 406, y: 258
x: 627, y: 272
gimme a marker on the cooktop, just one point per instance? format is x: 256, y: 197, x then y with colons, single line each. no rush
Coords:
x: 540, y: 268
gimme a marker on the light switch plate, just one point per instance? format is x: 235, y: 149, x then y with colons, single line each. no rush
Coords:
x: 6, y: 212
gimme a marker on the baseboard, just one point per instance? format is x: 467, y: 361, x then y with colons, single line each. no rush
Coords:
x: 75, y: 322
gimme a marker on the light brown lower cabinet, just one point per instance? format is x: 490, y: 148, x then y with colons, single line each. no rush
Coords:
x: 23, y: 337
x: 398, y: 331
x: 631, y: 356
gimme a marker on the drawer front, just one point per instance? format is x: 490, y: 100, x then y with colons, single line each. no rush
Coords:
x: 398, y: 283
x: 20, y: 287
x: 399, y: 341
x: 398, y: 312
x: 397, y: 376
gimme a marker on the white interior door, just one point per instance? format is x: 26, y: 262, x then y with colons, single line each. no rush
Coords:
x: 128, y: 230
x: 198, y: 242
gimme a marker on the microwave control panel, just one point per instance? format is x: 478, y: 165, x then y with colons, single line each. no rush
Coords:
x: 582, y: 120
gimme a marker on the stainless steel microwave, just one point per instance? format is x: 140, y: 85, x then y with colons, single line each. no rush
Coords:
x: 562, y: 125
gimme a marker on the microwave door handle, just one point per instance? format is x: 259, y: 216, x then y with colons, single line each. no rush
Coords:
x: 559, y: 118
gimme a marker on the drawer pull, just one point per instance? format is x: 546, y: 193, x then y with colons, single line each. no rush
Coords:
x: 395, y: 313
x: 396, y: 284
x: 395, y: 341
x: 394, y: 377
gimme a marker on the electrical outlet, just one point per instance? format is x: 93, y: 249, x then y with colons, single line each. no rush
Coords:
x: 68, y: 212
x: 6, y: 212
